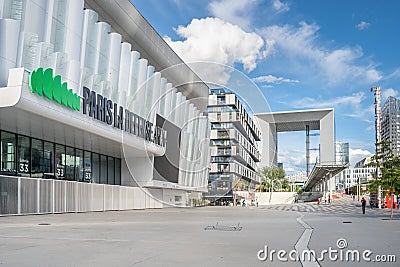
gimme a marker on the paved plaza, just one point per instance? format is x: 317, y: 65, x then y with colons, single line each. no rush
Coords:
x: 177, y: 237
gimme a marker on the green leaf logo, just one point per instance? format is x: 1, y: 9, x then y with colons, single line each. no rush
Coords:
x: 42, y: 82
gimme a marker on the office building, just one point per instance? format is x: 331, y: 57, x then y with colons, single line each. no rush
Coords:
x: 233, y: 147
x: 390, y: 128
x: 342, y: 152
x: 361, y: 174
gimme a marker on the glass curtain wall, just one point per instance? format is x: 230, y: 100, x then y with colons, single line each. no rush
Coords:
x: 37, y: 161
x: 8, y: 153
x: 30, y: 157
x: 24, y: 156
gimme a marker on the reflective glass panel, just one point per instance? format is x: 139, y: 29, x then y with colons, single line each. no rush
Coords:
x: 118, y: 171
x: 95, y: 168
x: 70, y: 164
x: 103, y: 169
x: 60, y: 161
x: 87, y: 169
x: 37, y: 158
x: 24, y: 156
x: 111, y: 177
x: 48, y: 160
x: 8, y: 157
x: 79, y: 165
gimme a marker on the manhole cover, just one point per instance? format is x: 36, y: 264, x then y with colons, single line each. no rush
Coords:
x: 44, y: 224
x: 347, y: 222
x: 218, y: 227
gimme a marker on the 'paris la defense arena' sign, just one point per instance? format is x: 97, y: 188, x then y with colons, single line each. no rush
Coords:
x: 103, y: 109
x: 96, y: 106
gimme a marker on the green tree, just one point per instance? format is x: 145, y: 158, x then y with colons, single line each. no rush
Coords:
x: 389, y: 167
x: 273, y: 178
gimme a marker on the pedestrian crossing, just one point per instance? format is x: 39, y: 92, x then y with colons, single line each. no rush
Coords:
x: 337, y: 207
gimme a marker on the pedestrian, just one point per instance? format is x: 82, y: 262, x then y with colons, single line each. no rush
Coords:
x: 354, y: 197
x: 398, y: 201
x: 329, y: 199
x: 363, y: 203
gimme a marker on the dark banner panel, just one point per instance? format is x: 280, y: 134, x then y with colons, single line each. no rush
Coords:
x: 167, y: 166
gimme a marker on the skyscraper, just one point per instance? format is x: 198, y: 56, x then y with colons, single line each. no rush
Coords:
x: 391, y: 124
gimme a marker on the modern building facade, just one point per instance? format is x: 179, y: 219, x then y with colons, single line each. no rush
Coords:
x: 272, y: 123
x: 233, y: 147
x: 342, y: 155
x: 361, y: 174
x: 390, y: 128
x: 89, y: 119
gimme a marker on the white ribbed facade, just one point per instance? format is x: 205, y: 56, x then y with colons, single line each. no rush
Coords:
x: 77, y: 44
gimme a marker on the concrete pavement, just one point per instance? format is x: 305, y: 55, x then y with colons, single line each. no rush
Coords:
x: 176, y: 237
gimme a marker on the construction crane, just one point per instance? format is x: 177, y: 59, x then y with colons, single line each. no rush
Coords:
x: 378, y: 134
x: 378, y: 117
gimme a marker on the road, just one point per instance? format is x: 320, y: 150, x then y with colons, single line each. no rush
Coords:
x: 177, y: 237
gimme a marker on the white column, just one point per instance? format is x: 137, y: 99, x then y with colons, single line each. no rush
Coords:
x: 33, y: 18
x: 149, y: 92
x: 124, y: 71
x: 114, y: 60
x: 140, y: 96
x: 155, y: 103
x: 163, y: 95
x: 9, y: 30
x: 133, y: 76
x: 73, y: 29
x: 88, y: 43
x: 168, y: 100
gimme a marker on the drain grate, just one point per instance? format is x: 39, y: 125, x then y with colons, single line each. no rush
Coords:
x: 347, y: 222
x: 44, y: 224
x: 218, y: 227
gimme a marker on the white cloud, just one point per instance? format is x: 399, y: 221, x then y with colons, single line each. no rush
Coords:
x: 394, y: 74
x: 300, y: 44
x: 273, y: 79
x: 280, y: 6
x: 357, y: 154
x: 214, y: 40
x: 363, y: 25
x: 389, y: 92
x: 308, y: 102
x: 234, y: 11
x: 370, y: 128
x: 267, y: 86
x: 352, y: 102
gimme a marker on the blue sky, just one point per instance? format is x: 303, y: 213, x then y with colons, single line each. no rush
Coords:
x: 301, y: 55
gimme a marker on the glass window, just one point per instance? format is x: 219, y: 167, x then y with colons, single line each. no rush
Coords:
x: 79, y: 165
x: 60, y: 161
x: 110, y: 169
x: 118, y: 171
x: 103, y: 169
x: 8, y: 149
x: 70, y: 164
x: 95, y: 168
x: 24, y: 156
x: 37, y: 158
x: 87, y: 169
x: 48, y: 160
